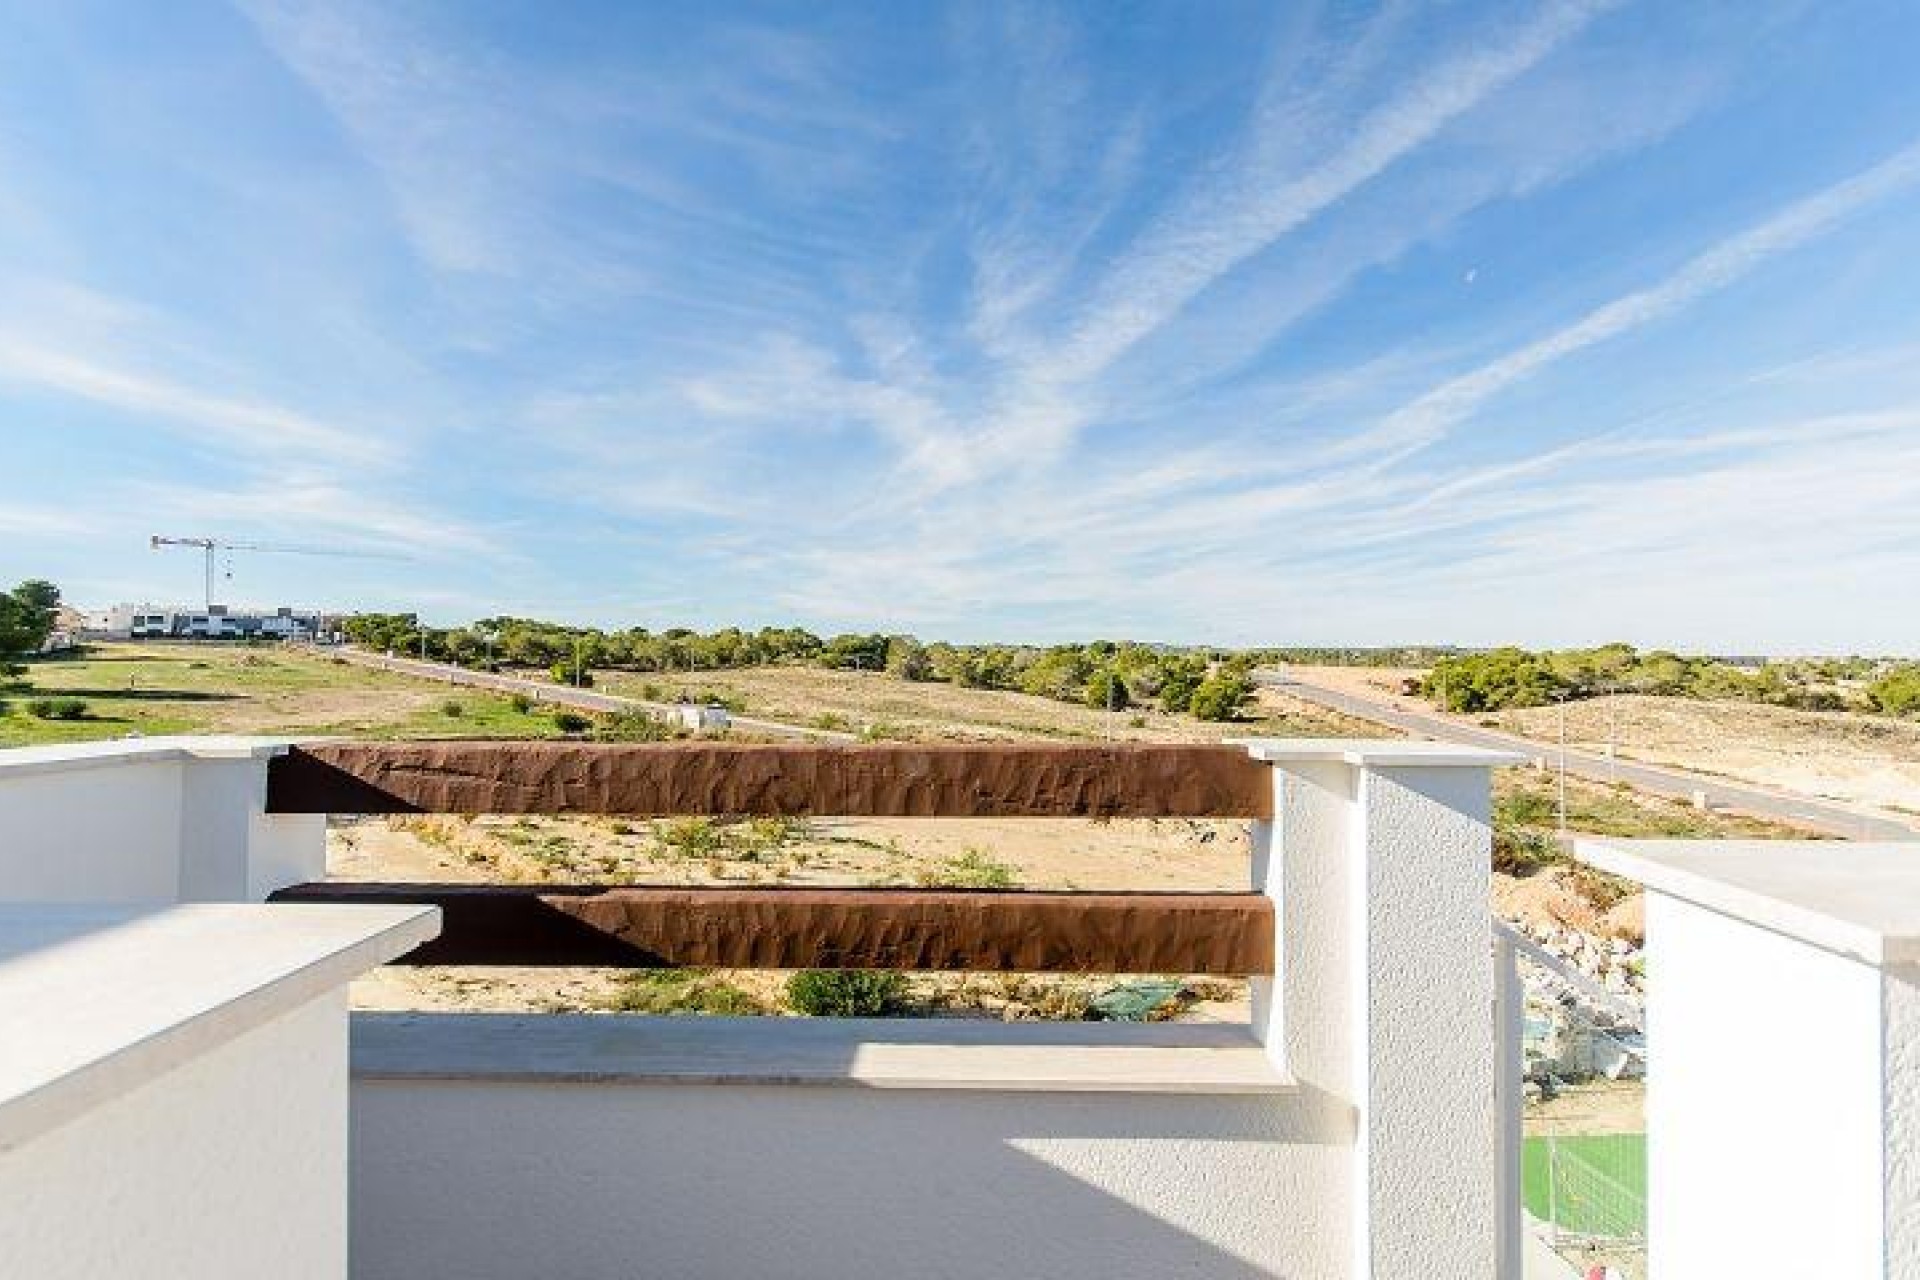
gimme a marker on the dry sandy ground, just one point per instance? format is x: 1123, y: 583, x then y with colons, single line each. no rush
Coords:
x: 1845, y: 756
x: 897, y: 708
x: 1835, y: 755
x: 1030, y: 853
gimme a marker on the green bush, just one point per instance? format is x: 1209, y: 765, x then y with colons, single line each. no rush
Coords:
x: 1221, y: 695
x: 562, y: 673
x: 521, y: 703
x: 681, y: 991
x: 57, y: 709
x: 453, y: 708
x: 691, y: 838
x: 1106, y: 691
x: 1897, y: 693
x: 972, y: 869
x: 571, y: 722
x: 846, y: 993
x: 632, y: 726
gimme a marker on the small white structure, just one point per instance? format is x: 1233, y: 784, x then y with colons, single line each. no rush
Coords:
x: 700, y: 716
x: 1803, y: 1164
x: 216, y: 622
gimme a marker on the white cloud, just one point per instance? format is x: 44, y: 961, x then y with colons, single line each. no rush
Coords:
x: 1436, y: 412
x: 257, y: 427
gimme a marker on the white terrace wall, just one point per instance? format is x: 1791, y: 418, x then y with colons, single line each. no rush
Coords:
x: 1378, y: 1162
x: 483, y: 1181
x: 153, y: 820
x: 231, y: 1166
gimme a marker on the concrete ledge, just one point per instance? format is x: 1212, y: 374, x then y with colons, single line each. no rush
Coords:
x: 1859, y: 899
x: 1378, y: 753
x: 97, y: 1000
x: 65, y: 757
x: 871, y: 1053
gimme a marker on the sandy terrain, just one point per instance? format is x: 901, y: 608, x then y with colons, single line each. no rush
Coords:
x: 897, y: 708
x: 1029, y: 853
x: 1845, y: 756
x: 1835, y: 755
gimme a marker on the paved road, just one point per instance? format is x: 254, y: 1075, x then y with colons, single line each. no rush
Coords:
x: 1818, y: 815
x: 560, y: 694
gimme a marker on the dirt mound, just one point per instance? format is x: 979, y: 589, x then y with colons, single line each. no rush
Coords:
x: 1572, y: 898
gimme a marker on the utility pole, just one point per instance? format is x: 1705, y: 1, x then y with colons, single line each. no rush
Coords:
x: 1563, y: 766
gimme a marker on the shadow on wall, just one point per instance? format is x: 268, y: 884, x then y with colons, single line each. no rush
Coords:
x: 492, y: 1180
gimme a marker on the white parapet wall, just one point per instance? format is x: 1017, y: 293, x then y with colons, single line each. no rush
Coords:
x: 1783, y: 1017
x: 149, y: 820
x: 173, y: 1086
x: 1348, y: 1133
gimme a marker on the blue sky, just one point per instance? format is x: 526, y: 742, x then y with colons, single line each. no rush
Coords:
x: 1242, y: 323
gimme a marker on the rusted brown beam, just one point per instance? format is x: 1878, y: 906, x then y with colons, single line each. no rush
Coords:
x: 959, y: 780
x: 777, y: 928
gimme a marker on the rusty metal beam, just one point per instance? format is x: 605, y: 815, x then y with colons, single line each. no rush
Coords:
x: 958, y: 780
x: 786, y: 928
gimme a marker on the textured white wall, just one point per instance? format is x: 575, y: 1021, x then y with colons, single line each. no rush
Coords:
x: 148, y: 821
x: 1384, y: 995
x: 104, y: 832
x: 583, y: 1181
x: 230, y: 1167
x: 1764, y: 1127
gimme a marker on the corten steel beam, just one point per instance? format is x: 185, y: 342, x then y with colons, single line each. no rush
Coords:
x: 960, y: 780
x: 781, y: 928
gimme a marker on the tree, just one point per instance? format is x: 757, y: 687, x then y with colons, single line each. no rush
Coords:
x: 1107, y: 691
x: 1897, y: 693
x: 1221, y: 695
x: 27, y: 616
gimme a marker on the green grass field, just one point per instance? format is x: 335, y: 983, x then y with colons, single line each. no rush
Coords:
x: 149, y: 690
x: 1582, y: 1204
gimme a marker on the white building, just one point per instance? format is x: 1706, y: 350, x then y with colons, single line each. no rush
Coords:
x: 217, y: 622
x: 700, y: 717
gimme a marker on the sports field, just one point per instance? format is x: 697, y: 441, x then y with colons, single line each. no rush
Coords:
x: 1601, y: 1183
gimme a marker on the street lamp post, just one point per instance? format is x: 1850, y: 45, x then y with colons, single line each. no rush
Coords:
x: 1563, y: 766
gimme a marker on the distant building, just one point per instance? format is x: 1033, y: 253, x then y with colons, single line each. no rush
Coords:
x: 220, y: 622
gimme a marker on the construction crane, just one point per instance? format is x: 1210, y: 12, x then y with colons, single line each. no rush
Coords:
x: 213, y: 546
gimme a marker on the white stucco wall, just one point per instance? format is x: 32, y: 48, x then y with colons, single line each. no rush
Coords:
x: 228, y: 1167
x: 152, y: 820
x: 506, y: 1181
x: 108, y: 831
x: 1764, y: 1131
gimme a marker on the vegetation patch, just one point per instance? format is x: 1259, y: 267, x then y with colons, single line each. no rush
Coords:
x: 846, y: 993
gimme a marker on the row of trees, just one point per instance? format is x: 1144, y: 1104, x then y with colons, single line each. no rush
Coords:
x: 1511, y: 677
x: 1103, y: 674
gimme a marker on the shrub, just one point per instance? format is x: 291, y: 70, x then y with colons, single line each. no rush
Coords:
x: 632, y: 726
x: 57, y: 709
x: 692, y: 838
x: 681, y: 991
x: 973, y: 869
x: 1106, y: 691
x: 1220, y: 696
x: 521, y: 703
x: 562, y: 673
x: 571, y: 722
x: 5, y: 710
x: 1897, y: 693
x: 846, y: 993
x: 453, y: 708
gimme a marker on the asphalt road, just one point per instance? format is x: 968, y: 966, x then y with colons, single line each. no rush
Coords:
x: 1817, y: 815
x: 559, y: 694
